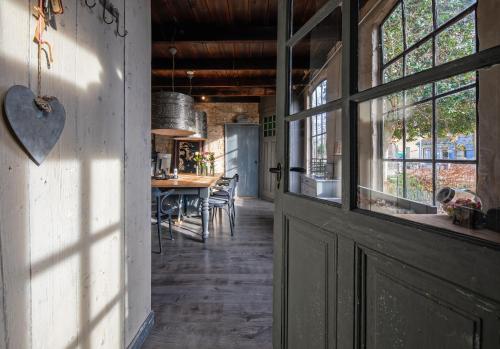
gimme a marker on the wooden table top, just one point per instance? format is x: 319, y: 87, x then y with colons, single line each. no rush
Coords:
x: 186, y: 181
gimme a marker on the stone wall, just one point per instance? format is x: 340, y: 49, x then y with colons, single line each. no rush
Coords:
x: 219, y: 114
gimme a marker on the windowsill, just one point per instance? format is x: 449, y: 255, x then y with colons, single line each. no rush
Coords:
x: 445, y: 222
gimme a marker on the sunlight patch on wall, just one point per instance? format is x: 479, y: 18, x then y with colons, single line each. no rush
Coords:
x: 10, y: 49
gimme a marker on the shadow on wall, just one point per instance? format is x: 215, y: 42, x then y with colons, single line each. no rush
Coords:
x: 62, y: 224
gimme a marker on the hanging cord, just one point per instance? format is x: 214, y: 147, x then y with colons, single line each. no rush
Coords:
x: 173, y: 51
x: 41, y: 101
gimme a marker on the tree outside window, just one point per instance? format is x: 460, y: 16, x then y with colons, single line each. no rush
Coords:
x: 429, y: 132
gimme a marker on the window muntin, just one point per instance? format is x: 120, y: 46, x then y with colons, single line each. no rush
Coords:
x: 420, y: 34
x: 430, y: 126
x: 269, y: 126
x: 317, y: 156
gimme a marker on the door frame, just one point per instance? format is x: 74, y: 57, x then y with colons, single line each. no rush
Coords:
x: 358, y: 232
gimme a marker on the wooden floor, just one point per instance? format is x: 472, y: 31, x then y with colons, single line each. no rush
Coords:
x: 217, y: 294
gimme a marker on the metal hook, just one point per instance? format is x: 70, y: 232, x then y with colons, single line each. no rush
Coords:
x: 104, y: 13
x: 125, y: 32
x: 90, y: 6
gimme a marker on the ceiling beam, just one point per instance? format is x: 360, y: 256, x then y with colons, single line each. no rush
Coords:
x: 224, y: 64
x: 226, y: 99
x: 165, y: 81
x: 225, y: 91
x: 172, y: 33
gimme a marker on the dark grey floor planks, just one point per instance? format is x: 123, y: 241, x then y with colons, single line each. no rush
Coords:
x: 217, y: 295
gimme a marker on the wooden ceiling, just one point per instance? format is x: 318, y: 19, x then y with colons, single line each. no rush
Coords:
x: 229, y: 44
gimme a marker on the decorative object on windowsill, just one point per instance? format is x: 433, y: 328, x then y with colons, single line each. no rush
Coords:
x: 108, y: 7
x: 173, y: 112
x: 463, y: 206
x: 493, y: 219
x: 36, y: 121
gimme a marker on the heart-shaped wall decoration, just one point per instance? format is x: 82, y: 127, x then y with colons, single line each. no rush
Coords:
x: 37, y: 130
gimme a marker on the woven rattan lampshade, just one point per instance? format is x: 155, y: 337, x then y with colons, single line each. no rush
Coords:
x: 173, y: 114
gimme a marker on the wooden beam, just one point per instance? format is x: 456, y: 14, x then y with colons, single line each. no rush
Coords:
x: 225, y: 91
x: 215, y: 64
x: 210, y: 33
x: 165, y: 81
x: 228, y: 99
x: 225, y: 64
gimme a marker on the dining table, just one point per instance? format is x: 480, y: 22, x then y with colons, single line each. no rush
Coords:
x: 191, y: 184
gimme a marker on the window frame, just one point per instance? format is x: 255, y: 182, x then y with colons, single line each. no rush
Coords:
x: 351, y: 98
x: 314, y: 136
x: 435, y: 96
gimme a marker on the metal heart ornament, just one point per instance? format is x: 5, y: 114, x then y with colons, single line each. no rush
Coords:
x: 38, y: 131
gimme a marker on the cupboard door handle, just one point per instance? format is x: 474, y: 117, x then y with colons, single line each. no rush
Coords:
x: 277, y: 171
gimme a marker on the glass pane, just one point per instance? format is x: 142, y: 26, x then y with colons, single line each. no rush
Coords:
x: 457, y: 41
x: 392, y: 136
x: 418, y: 94
x: 317, y: 61
x: 419, y: 182
x: 419, y: 20
x: 455, y: 82
x: 419, y: 59
x: 418, y: 128
x: 461, y: 157
x: 448, y: 9
x: 315, y: 155
x: 303, y: 10
x: 393, y: 71
x: 456, y: 126
x: 392, y: 35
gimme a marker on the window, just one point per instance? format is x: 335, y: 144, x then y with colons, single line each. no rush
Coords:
x: 269, y: 126
x: 317, y: 156
x: 435, y: 124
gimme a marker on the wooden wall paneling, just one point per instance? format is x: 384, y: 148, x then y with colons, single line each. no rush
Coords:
x: 441, y: 254
x: 407, y: 306
x: 101, y: 147
x: 137, y: 166
x: 54, y: 200
x: 15, y: 320
x: 311, y: 287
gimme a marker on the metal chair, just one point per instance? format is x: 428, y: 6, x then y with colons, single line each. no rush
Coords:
x: 223, y: 199
x: 164, y: 210
x: 224, y: 185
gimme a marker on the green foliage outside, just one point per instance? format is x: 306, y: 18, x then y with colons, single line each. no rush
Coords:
x: 456, y: 113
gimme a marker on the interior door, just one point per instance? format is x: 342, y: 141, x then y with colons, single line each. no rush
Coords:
x: 345, y: 277
x: 242, y: 157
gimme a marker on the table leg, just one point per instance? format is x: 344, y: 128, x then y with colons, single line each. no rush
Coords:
x: 205, y: 218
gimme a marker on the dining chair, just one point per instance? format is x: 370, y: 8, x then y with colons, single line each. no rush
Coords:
x: 164, y: 209
x: 223, y: 199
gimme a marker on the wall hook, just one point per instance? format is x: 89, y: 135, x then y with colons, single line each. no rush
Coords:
x: 104, y: 13
x: 125, y: 32
x: 90, y: 6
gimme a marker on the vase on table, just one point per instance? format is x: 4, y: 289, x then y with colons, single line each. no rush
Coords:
x: 198, y: 170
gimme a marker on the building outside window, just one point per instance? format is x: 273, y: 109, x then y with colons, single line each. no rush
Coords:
x: 435, y: 124
x: 318, y: 154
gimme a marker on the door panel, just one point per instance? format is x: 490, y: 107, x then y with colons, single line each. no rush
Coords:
x: 408, y: 308
x: 268, y: 161
x: 350, y: 279
x: 310, y: 287
x: 242, y: 157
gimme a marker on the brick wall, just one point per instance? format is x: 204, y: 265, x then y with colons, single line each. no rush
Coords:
x: 219, y: 114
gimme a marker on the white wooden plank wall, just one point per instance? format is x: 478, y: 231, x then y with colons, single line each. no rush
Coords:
x: 75, y: 248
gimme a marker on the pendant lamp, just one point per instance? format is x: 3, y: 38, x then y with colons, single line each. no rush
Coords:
x: 173, y: 112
